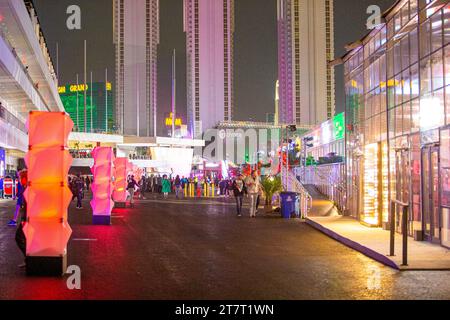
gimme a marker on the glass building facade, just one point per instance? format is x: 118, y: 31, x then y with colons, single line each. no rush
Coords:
x: 397, y: 84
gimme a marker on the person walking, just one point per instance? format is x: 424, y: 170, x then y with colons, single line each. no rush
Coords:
x: 131, y: 187
x: 239, y: 192
x: 79, y: 187
x: 166, y: 187
x: 178, y: 187
x: 142, y: 188
x: 88, y: 183
x: 20, y: 238
x: 159, y: 184
x: 20, y: 201
x: 251, y: 182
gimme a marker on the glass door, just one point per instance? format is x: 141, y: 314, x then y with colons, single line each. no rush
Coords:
x: 403, y: 182
x: 430, y: 194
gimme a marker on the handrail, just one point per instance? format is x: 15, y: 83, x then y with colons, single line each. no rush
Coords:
x: 405, y: 207
x: 294, y: 185
x: 329, y: 179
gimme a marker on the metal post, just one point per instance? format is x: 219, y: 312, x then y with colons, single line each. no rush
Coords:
x: 392, y: 227
x: 405, y: 235
x: 78, y: 106
x: 92, y: 122
x: 85, y: 91
x: 174, y: 93
x: 106, y: 100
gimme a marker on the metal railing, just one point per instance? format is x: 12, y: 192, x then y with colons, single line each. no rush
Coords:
x: 292, y: 184
x: 329, y: 179
x: 24, y: 68
x: 394, y: 205
x: 8, y: 117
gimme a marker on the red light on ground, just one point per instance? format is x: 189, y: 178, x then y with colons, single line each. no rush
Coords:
x: 1, y: 18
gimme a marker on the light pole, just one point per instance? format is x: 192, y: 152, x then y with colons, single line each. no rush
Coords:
x: 289, y: 128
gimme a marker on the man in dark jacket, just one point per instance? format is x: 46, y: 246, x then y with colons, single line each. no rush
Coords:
x: 239, y: 192
x: 79, y: 187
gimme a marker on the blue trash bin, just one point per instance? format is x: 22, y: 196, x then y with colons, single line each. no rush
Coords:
x: 289, y: 204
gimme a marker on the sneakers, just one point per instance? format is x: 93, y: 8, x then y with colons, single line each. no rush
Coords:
x: 12, y: 223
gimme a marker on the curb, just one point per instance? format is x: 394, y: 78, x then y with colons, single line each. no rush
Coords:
x: 354, y: 245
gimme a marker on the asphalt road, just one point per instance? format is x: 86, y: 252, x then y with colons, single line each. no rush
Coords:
x: 201, y: 250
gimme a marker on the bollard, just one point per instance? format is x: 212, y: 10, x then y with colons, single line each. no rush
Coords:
x: 185, y: 191
x: 213, y: 194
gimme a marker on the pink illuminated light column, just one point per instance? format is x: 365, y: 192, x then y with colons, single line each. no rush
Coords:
x: 120, y: 184
x: 47, y: 195
x: 102, y: 187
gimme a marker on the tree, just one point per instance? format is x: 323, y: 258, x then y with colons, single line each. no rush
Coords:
x: 271, y: 185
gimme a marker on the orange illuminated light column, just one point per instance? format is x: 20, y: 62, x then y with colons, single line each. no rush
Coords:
x: 102, y: 187
x: 48, y: 195
x: 120, y: 184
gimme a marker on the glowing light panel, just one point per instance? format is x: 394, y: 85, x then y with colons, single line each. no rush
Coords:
x: 48, y: 195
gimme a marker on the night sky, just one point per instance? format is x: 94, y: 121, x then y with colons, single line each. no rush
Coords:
x: 255, y: 47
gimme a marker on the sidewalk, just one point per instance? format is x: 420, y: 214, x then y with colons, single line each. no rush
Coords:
x: 374, y: 243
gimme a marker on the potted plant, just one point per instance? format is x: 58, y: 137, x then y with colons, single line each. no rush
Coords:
x: 271, y: 185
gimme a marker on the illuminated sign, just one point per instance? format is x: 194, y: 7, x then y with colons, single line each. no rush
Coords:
x: 328, y: 132
x: 79, y: 88
x: 339, y: 126
x: 169, y: 121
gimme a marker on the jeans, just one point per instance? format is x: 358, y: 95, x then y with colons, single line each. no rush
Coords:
x: 21, y: 240
x: 253, y: 199
x: 239, y: 204
x: 131, y: 195
x: 79, y: 197
x: 178, y: 190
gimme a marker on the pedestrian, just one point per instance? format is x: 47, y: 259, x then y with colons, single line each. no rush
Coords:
x: 251, y: 182
x: 131, y: 187
x: 178, y: 187
x: 20, y: 238
x: 229, y: 188
x: 20, y: 199
x: 196, y: 182
x: 79, y: 188
x: 239, y: 192
x: 166, y: 187
x: 159, y: 184
x: 142, y: 188
x: 2, y: 192
x: 88, y: 184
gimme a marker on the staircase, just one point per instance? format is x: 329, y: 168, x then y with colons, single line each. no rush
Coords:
x: 312, y: 202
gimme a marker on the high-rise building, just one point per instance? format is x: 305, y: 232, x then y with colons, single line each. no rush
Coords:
x: 305, y: 46
x: 209, y: 27
x: 136, y: 36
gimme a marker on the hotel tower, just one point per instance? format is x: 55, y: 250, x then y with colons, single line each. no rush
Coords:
x: 209, y: 27
x: 136, y: 37
x: 305, y: 46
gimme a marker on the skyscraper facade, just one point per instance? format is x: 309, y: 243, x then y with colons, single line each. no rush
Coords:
x: 209, y: 27
x: 305, y: 46
x: 136, y: 36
